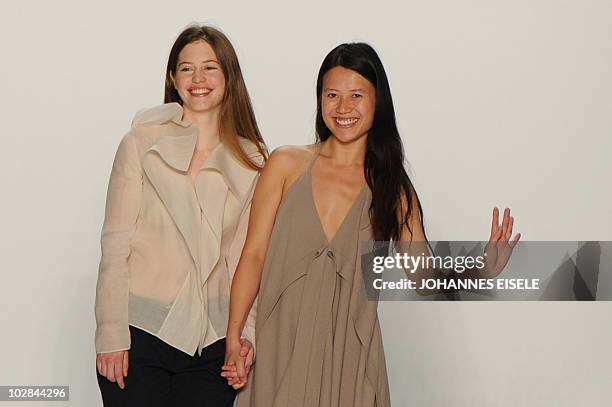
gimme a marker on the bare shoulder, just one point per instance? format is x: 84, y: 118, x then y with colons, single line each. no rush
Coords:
x: 290, y: 159
x: 288, y: 162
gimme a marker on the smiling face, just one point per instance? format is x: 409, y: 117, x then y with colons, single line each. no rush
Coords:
x: 199, y: 79
x: 348, y: 102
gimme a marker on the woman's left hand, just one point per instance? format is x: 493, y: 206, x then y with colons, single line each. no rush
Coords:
x: 499, y: 248
x: 238, y: 358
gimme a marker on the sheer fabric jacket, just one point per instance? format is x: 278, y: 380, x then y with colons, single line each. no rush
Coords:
x: 170, y: 245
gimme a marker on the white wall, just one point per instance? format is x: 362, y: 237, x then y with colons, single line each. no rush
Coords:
x: 499, y: 103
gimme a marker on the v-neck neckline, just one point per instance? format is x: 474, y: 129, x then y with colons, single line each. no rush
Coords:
x: 329, y: 241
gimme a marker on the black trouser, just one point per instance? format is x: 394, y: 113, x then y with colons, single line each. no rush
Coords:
x: 160, y: 375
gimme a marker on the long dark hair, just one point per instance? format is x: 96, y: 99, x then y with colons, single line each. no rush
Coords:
x: 384, y: 159
x: 237, y: 118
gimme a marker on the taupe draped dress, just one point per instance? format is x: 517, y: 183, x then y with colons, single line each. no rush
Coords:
x: 318, y: 337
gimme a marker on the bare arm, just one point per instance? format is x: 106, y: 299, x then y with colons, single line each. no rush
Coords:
x: 266, y: 200
x: 283, y: 166
x: 414, y: 233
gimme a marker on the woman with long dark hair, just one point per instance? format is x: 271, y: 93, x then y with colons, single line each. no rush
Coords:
x: 318, y: 337
x: 176, y: 215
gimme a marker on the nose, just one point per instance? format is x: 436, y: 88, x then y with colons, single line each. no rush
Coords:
x: 198, y: 76
x: 343, y: 106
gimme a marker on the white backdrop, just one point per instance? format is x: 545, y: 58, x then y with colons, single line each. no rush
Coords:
x: 498, y: 103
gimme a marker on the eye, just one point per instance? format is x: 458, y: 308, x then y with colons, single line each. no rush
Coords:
x: 357, y: 95
x: 210, y: 68
x: 186, y: 69
x: 331, y: 95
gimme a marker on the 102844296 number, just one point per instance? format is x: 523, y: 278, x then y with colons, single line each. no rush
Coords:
x: 58, y: 393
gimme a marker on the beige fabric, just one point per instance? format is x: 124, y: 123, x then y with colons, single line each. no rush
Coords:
x: 170, y: 246
x: 318, y: 337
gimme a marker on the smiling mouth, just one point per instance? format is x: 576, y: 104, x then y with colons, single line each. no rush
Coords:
x: 345, y: 123
x: 199, y: 91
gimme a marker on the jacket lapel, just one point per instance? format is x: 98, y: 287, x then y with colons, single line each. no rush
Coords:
x: 220, y: 174
x: 166, y: 164
x: 212, y: 195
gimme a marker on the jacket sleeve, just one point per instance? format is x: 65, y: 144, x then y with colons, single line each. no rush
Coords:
x: 248, y: 331
x: 123, y: 202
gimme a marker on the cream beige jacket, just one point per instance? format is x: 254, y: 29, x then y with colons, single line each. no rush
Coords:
x: 170, y: 246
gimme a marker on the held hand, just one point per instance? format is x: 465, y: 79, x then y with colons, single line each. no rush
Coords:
x: 113, y: 366
x: 238, y: 361
x: 499, y: 248
x: 248, y: 352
